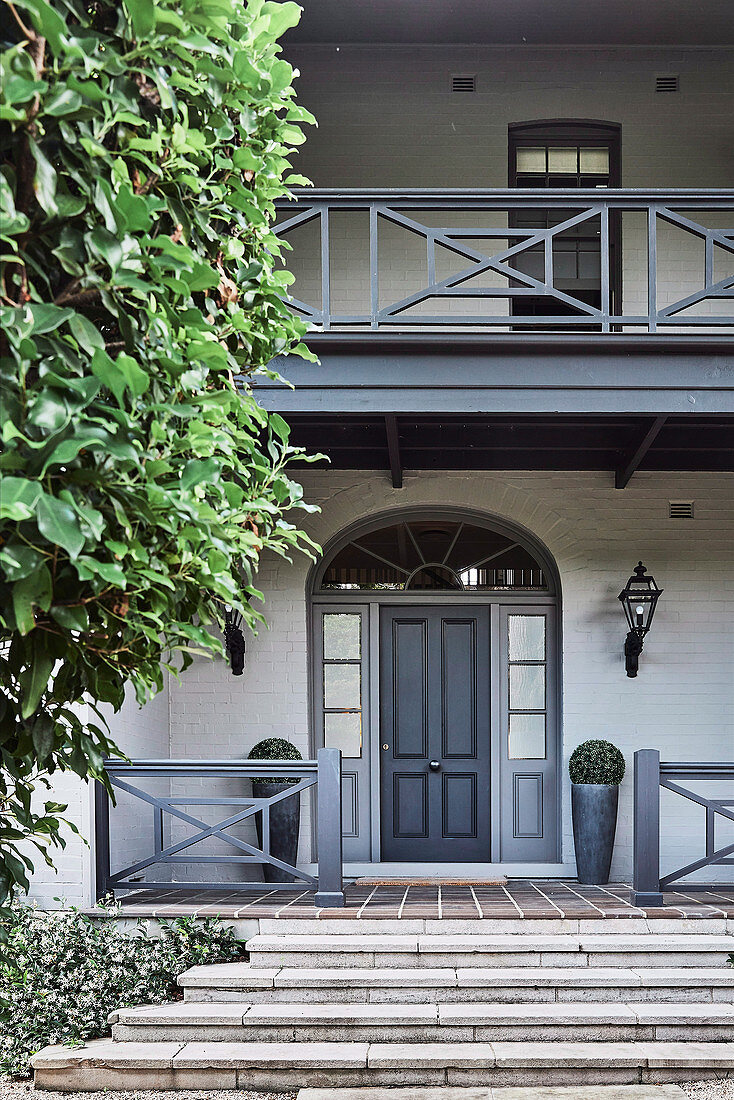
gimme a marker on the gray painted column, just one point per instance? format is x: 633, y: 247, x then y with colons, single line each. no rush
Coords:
x: 101, y: 841
x: 646, y: 877
x: 330, y: 893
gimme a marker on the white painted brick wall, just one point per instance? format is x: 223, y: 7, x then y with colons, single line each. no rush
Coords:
x: 138, y: 732
x: 683, y: 698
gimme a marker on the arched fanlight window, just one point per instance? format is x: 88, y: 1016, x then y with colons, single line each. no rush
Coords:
x: 437, y: 555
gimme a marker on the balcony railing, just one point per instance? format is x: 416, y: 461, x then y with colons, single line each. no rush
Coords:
x: 518, y: 260
x: 163, y: 835
x: 653, y: 775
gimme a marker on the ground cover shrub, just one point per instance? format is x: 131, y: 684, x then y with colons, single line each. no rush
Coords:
x: 61, y: 974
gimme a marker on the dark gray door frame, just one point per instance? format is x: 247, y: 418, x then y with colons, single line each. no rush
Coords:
x: 495, y: 600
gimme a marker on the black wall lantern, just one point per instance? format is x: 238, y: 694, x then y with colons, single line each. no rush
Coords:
x: 639, y: 599
x: 234, y: 640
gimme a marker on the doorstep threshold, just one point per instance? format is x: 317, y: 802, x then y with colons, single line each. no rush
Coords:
x: 433, y: 880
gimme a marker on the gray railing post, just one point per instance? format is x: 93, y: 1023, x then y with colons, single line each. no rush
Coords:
x: 101, y: 841
x: 330, y: 893
x: 646, y: 872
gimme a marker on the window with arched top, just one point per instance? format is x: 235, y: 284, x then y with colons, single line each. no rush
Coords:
x: 433, y: 554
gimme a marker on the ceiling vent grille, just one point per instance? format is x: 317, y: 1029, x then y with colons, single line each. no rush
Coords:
x: 666, y: 82
x: 680, y: 509
x: 463, y: 82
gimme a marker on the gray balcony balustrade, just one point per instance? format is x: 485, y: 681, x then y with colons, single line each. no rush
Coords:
x: 517, y: 261
x: 685, y: 780
x: 171, y: 825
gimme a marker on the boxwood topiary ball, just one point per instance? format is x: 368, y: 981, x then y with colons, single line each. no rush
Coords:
x: 274, y: 748
x: 596, y: 762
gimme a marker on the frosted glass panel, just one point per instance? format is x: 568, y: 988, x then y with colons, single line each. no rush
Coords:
x: 531, y: 160
x: 562, y: 160
x: 343, y: 731
x: 342, y: 637
x: 342, y: 687
x: 526, y: 637
x: 595, y: 161
x: 527, y: 737
x: 527, y: 687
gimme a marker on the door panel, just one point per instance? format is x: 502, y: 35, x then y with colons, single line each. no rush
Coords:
x: 458, y: 676
x: 410, y: 644
x: 434, y: 720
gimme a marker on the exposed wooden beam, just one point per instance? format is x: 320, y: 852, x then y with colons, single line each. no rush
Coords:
x: 627, y: 469
x: 393, y: 450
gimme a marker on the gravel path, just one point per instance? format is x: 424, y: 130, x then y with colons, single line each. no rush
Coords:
x: 710, y: 1090
x: 23, y: 1090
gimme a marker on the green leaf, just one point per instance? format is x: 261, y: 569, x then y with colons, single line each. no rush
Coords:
x: 43, y: 735
x: 34, y: 681
x: 279, y: 426
x: 48, y: 22
x: 46, y: 318
x: 198, y: 471
x: 142, y: 16
x: 18, y: 497
x: 63, y: 101
x: 85, y: 333
x: 68, y: 450
x: 33, y: 591
x: 71, y: 618
x: 44, y: 183
x: 108, y: 571
x: 281, y: 75
x: 58, y: 522
x: 282, y: 17
x: 136, y: 379
x: 19, y: 560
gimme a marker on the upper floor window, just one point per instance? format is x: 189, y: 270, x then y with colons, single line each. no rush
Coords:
x: 566, y: 154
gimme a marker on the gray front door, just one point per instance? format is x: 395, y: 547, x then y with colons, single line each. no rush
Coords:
x: 435, y: 733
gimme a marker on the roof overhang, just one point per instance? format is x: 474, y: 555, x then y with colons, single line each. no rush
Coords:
x: 520, y: 23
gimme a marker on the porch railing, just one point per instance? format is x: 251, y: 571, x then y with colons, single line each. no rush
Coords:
x: 323, y: 774
x: 652, y: 775
x: 523, y: 259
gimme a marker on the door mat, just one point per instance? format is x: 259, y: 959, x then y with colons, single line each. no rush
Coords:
x: 405, y: 880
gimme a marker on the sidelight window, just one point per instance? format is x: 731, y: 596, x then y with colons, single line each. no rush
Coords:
x: 342, y: 681
x: 527, y: 687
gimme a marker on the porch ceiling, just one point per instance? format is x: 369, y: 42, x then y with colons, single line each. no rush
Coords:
x: 523, y: 22
x: 619, y: 444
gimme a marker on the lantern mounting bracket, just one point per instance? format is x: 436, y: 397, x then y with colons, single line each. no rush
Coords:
x: 234, y: 640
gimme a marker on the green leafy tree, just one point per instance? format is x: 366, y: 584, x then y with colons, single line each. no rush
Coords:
x: 145, y: 143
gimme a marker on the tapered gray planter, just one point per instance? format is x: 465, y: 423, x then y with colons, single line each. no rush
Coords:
x: 285, y: 818
x: 594, y: 812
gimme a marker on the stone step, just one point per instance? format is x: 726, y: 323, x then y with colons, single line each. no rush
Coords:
x: 371, y: 950
x: 628, y: 925
x: 489, y: 1092
x: 241, y: 982
x: 424, y: 1023
x: 106, y: 1063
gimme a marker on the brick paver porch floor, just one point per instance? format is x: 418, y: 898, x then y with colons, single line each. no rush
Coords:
x: 539, y: 898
